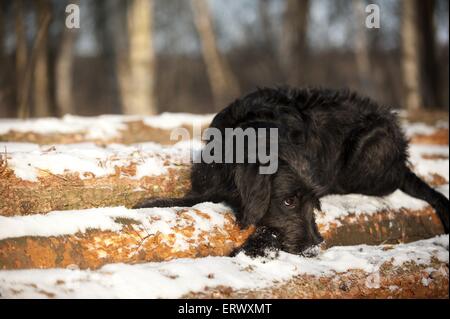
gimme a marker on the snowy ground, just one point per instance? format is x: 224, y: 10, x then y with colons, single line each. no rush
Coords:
x: 176, y: 278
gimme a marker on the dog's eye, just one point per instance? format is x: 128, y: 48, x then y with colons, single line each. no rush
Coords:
x: 289, y: 202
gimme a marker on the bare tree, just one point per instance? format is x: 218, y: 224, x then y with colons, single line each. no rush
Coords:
x: 21, y: 57
x: 41, y: 75
x: 410, y: 56
x: 25, y: 84
x: 266, y: 23
x: 2, y: 32
x: 64, y: 71
x: 430, y: 75
x: 138, y: 91
x: 224, y: 86
x: 293, y: 42
x: 362, y: 46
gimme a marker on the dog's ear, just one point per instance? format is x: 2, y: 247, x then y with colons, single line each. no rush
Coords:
x: 254, y: 189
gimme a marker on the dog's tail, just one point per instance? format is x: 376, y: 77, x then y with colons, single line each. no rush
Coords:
x: 187, y: 201
x: 414, y: 186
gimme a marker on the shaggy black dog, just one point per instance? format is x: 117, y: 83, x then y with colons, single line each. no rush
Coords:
x: 330, y: 142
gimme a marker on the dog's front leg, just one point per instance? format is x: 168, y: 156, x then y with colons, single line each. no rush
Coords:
x: 261, y: 243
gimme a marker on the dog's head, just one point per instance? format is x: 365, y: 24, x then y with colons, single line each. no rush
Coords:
x: 281, y: 201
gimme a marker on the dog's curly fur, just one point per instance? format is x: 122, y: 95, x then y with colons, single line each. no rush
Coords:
x: 330, y: 142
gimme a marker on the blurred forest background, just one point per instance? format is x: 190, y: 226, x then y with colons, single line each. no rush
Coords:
x: 150, y: 56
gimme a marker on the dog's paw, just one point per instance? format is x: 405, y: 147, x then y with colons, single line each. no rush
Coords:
x: 264, y: 242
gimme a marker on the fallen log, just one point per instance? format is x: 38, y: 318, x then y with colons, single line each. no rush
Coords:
x: 55, y: 192
x: 439, y: 137
x: 415, y: 270
x: 94, y: 237
x: 104, y: 129
x: 401, y: 282
x: 38, y: 179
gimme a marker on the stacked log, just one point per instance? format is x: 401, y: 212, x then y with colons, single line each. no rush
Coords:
x: 133, y: 237
x: 92, y: 236
x: 122, y: 236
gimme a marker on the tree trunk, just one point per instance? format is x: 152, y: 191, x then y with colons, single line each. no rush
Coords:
x: 64, y: 72
x: 2, y: 33
x: 294, y: 49
x: 224, y: 86
x: 362, y: 47
x: 41, y: 74
x: 430, y: 76
x: 21, y: 58
x: 139, y: 91
x: 266, y: 25
x: 410, y: 55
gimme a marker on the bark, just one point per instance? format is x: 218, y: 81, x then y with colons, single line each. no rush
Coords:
x: 42, y: 107
x: 68, y: 191
x: 294, y: 51
x: 140, y: 87
x: 384, y: 227
x: 224, y: 85
x: 410, y: 57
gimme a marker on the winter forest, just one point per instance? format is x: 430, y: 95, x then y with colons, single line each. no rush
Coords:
x: 130, y: 56
x: 105, y: 191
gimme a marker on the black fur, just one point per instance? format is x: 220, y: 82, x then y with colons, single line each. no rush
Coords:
x: 330, y: 142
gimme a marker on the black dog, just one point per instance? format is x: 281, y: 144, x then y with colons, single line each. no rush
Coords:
x: 330, y: 142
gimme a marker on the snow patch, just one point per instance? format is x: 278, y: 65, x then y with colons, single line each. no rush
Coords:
x: 69, y: 222
x: 28, y: 161
x: 100, y: 127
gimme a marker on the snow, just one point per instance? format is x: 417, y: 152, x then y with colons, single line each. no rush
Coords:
x: 104, y: 126
x: 100, y: 127
x: 28, y: 161
x: 419, y: 128
x: 69, y: 222
x: 173, y: 120
x: 334, y: 207
x: 175, y: 278
x: 428, y: 167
